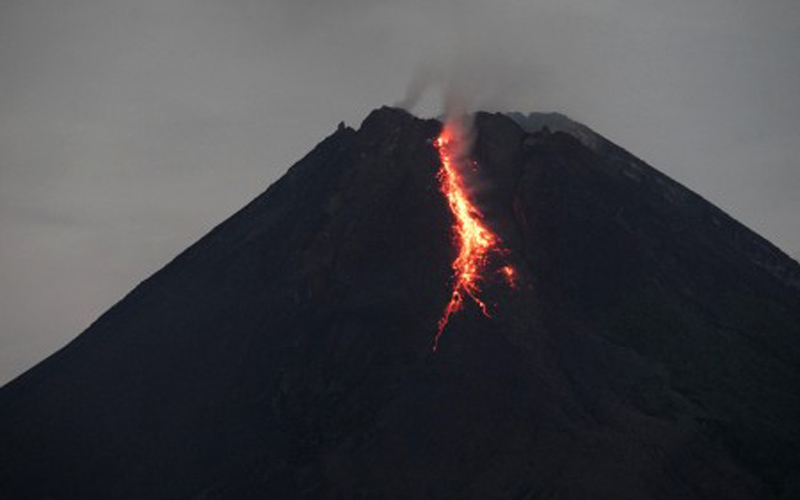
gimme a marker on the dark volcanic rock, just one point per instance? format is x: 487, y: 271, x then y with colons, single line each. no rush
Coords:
x: 652, y: 349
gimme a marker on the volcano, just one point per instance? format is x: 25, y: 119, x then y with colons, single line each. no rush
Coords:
x: 650, y: 348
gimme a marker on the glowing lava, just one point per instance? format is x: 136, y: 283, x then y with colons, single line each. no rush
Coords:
x: 510, y: 275
x: 475, y: 240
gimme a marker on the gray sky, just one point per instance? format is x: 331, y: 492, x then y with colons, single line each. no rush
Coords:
x: 128, y: 129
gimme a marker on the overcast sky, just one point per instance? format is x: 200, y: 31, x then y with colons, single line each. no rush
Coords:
x: 128, y: 129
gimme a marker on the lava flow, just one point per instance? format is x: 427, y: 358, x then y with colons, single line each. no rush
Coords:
x: 475, y: 240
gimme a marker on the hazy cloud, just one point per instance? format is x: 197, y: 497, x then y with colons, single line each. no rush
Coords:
x: 128, y: 129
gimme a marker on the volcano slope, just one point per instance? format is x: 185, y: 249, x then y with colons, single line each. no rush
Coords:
x: 650, y: 351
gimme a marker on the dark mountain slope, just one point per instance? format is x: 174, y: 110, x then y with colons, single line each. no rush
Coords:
x: 619, y: 163
x: 646, y: 354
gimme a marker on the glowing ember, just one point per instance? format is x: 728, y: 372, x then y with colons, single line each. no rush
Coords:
x: 475, y: 241
x: 510, y: 275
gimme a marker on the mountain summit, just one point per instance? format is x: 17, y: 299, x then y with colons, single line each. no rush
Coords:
x: 649, y: 350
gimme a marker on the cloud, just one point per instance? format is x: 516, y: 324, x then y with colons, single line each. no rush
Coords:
x: 128, y: 129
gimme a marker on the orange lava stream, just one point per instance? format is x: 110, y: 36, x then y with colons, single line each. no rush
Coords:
x: 475, y: 241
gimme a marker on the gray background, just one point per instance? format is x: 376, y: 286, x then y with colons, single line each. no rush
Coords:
x: 128, y: 129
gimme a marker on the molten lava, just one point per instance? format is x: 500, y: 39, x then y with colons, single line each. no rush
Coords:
x: 510, y: 275
x: 476, y: 242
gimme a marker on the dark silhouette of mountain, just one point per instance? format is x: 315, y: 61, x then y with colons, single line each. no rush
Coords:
x: 650, y: 351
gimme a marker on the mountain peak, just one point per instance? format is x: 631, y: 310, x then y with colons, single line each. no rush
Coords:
x: 650, y: 350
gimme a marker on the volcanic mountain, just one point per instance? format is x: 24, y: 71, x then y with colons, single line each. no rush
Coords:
x: 650, y: 348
